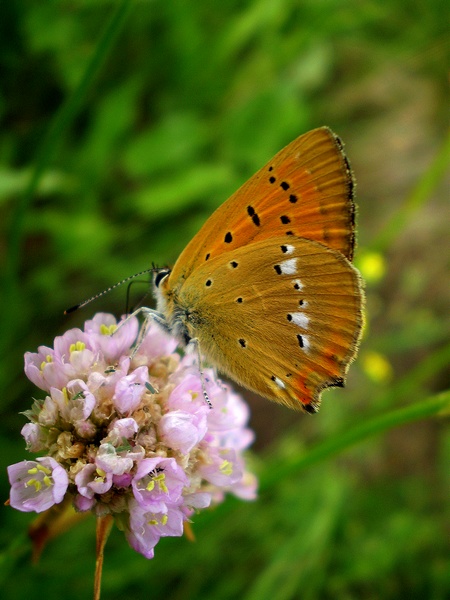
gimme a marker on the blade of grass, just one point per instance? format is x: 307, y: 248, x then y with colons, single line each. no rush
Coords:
x: 302, y: 554
x: 44, y: 154
x: 420, y: 194
x: 345, y: 440
x: 410, y: 384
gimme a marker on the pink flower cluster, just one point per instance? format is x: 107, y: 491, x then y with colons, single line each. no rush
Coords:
x: 129, y: 434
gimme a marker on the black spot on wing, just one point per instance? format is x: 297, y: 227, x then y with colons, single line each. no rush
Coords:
x: 253, y: 215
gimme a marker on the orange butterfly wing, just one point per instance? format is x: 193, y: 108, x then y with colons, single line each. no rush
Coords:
x: 306, y: 190
x: 293, y: 315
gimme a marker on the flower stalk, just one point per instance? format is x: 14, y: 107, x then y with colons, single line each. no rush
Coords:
x: 104, y: 526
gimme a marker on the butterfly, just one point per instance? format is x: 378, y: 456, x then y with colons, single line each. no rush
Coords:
x: 266, y: 288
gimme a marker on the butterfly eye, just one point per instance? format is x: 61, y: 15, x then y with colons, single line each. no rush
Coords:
x: 160, y: 276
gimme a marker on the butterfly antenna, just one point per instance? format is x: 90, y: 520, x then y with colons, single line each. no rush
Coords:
x: 113, y: 287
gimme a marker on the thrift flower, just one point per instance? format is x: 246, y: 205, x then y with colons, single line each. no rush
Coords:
x: 127, y: 432
x: 36, y: 485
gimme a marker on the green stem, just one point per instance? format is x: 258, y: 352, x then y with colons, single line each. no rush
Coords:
x: 340, y: 442
x: 44, y: 154
x: 104, y: 525
x: 410, y: 384
x: 420, y: 194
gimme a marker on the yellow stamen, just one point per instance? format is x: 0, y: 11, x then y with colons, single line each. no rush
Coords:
x: 105, y: 330
x: 77, y: 347
x: 160, y: 481
x: 47, y: 480
x: 164, y: 519
x: 226, y: 467
x: 150, y: 486
x: 48, y: 359
x: 153, y: 522
x: 44, y: 470
x: 35, y: 483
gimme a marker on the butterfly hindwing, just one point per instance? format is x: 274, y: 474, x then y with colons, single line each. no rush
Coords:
x: 281, y: 316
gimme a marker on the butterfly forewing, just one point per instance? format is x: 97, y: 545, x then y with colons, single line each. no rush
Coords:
x: 282, y: 316
x: 306, y: 191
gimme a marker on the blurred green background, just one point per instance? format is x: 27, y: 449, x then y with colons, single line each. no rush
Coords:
x: 123, y: 126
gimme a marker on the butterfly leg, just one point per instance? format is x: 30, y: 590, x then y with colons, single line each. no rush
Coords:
x: 194, y: 342
x: 149, y: 316
x: 219, y: 382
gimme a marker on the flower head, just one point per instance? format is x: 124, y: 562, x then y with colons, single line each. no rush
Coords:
x: 127, y: 432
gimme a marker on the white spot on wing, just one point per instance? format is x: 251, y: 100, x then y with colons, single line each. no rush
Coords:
x: 289, y: 266
x: 280, y: 383
x: 298, y: 284
x: 289, y: 249
x: 306, y: 344
x: 300, y: 319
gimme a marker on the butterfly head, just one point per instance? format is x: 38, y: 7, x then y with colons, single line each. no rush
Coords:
x: 176, y: 317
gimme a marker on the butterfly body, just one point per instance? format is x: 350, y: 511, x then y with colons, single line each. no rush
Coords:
x: 266, y: 287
